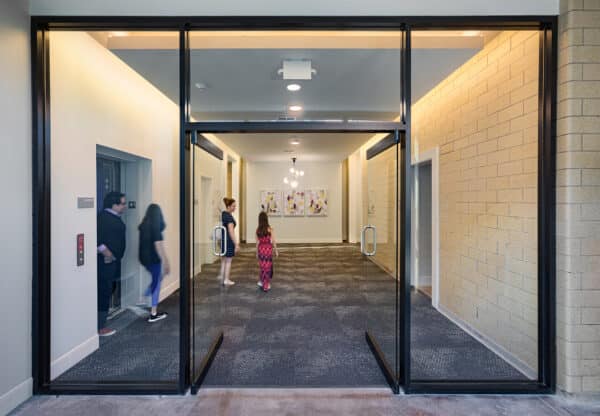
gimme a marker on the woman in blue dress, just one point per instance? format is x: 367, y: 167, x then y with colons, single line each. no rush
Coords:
x: 232, y: 246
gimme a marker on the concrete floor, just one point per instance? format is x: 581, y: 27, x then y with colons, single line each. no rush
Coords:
x: 322, y: 402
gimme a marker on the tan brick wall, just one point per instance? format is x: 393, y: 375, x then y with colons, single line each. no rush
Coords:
x: 578, y: 197
x: 484, y: 119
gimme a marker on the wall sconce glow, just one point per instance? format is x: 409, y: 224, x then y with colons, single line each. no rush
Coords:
x: 295, y: 108
x: 294, y: 87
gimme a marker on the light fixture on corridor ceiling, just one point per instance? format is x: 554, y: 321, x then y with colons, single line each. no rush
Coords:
x: 294, y: 175
x: 297, y: 69
x: 201, y: 86
x: 117, y: 34
x: 295, y: 107
x: 295, y: 142
x: 294, y: 87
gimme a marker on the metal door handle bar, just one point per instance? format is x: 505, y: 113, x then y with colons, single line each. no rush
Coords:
x: 363, y: 245
x: 219, y: 251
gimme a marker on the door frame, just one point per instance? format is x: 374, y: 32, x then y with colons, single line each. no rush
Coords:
x: 433, y: 156
x: 41, y: 186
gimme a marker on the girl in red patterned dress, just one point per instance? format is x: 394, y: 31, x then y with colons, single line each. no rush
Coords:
x: 265, y: 246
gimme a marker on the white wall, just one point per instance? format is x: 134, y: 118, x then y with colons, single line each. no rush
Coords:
x: 15, y: 211
x: 97, y: 99
x: 318, y: 175
x: 291, y: 8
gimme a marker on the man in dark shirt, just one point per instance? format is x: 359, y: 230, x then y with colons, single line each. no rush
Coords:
x: 111, y: 248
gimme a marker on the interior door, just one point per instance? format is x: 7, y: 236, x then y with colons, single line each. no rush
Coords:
x: 208, y: 182
x: 379, y: 248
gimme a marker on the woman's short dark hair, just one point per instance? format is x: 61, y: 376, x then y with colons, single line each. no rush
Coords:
x: 228, y: 201
x: 112, y: 198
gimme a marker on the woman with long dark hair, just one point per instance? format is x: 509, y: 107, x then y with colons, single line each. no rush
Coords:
x: 153, y: 255
x: 265, y: 246
x: 232, y: 246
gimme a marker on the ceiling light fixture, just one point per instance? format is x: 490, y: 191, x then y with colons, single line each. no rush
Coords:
x: 118, y: 34
x: 294, y: 175
x: 295, y: 142
x: 294, y: 87
x: 201, y: 86
x: 295, y: 108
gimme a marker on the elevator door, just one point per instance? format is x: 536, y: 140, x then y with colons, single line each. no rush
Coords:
x: 108, y: 179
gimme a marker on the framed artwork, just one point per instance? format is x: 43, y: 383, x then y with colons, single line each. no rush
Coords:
x: 270, y: 202
x: 293, y: 203
x: 317, y: 203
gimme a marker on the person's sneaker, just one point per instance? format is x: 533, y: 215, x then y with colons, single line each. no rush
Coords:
x: 259, y: 284
x: 106, y: 332
x: 157, y: 317
x: 228, y: 282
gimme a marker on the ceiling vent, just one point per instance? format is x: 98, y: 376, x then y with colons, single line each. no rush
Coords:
x: 297, y: 70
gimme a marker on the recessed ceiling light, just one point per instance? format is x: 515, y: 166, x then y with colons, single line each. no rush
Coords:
x: 117, y: 34
x: 295, y: 108
x: 295, y: 142
x: 294, y: 87
x: 200, y: 85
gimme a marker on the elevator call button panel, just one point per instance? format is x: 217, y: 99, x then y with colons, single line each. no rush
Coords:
x: 80, y: 250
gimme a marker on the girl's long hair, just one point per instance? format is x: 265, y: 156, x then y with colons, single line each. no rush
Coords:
x: 153, y: 220
x: 263, y: 225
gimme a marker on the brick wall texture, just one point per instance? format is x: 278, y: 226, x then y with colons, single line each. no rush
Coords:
x: 484, y: 119
x: 578, y: 197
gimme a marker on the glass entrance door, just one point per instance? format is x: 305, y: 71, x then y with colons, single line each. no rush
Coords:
x: 379, y: 249
x: 208, y: 170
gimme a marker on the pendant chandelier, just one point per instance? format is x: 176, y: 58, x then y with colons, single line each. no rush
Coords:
x: 292, y: 178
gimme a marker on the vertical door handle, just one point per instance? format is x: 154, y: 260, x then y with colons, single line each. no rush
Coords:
x: 363, y: 245
x: 221, y: 250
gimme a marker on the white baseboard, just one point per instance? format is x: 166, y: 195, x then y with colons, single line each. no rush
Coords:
x: 69, y: 359
x: 304, y: 240
x: 167, y: 291
x: 499, y: 350
x: 16, y: 396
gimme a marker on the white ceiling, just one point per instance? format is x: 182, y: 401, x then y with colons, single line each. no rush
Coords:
x: 242, y: 82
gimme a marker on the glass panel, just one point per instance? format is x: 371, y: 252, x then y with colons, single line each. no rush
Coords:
x: 474, y: 230
x: 381, y: 252
x: 115, y: 150
x: 295, y: 75
x: 209, y: 187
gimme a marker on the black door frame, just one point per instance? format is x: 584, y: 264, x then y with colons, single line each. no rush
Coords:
x: 41, y: 145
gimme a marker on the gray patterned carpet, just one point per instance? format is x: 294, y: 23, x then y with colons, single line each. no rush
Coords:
x: 308, y: 331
